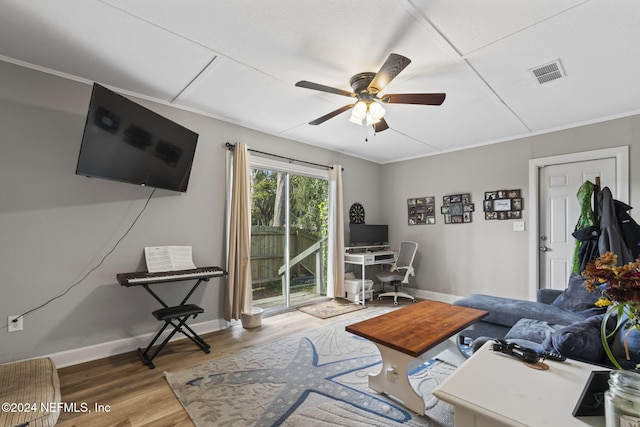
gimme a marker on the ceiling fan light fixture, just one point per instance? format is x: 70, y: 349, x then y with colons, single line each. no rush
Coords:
x: 355, y: 121
x: 358, y: 112
x: 369, y: 119
x: 377, y: 111
x: 366, y: 87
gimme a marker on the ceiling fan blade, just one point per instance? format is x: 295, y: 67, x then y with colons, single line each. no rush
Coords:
x: 331, y: 114
x: 381, y: 125
x: 323, y: 88
x: 390, y: 69
x: 415, y: 98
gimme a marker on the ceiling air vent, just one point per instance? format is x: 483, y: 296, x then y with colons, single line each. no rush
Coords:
x: 548, y: 72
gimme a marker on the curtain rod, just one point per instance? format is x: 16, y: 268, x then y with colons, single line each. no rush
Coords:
x: 232, y: 146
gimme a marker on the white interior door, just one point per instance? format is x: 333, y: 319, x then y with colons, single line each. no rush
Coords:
x: 559, y: 212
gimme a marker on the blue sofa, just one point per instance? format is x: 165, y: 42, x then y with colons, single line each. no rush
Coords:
x: 565, y: 322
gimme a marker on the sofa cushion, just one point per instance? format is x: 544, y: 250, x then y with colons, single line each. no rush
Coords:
x: 531, y: 330
x: 507, y: 311
x: 578, y: 299
x: 580, y: 340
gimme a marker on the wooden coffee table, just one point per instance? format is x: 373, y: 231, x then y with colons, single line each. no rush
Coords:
x: 410, y: 333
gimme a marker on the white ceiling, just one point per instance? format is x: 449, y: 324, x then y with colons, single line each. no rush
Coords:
x: 239, y: 61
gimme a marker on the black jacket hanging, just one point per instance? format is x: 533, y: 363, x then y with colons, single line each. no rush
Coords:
x: 611, y: 237
x: 629, y: 228
x: 588, y: 251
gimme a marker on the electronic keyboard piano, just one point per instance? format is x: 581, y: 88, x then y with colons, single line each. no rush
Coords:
x: 141, y: 278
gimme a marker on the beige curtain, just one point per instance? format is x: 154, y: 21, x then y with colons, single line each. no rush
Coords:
x: 335, y: 279
x: 238, y: 298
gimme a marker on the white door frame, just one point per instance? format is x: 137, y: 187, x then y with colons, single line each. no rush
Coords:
x: 621, y: 155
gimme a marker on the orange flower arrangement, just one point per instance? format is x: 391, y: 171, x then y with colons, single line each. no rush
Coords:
x: 621, y: 292
x: 622, y: 282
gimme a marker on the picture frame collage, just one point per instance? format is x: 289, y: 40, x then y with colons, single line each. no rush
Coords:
x: 457, y: 208
x: 421, y: 210
x: 502, y: 204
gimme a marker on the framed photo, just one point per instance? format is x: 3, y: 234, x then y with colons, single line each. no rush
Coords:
x: 514, y: 215
x: 457, y: 208
x: 502, y: 204
x: 516, y: 204
x: 421, y: 210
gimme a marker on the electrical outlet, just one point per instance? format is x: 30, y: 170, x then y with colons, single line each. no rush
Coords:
x: 14, y: 326
x: 518, y: 226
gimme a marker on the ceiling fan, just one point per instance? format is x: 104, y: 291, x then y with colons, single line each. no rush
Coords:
x: 366, y: 87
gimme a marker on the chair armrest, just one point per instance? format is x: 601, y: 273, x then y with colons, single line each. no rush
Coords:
x: 547, y: 296
x: 410, y: 272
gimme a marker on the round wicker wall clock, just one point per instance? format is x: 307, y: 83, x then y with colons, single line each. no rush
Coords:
x: 356, y: 214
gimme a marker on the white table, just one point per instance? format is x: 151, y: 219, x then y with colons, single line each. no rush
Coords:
x: 413, y: 333
x: 492, y: 389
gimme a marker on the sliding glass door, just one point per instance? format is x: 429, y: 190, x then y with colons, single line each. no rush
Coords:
x: 288, y: 234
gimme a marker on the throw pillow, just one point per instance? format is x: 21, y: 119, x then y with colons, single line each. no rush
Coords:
x: 580, y: 340
x: 531, y: 330
x: 578, y: 299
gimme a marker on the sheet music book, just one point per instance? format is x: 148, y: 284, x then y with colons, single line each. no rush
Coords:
x: 168, y: 258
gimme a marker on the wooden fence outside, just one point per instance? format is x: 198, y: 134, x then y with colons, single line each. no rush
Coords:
x: 267, y: 253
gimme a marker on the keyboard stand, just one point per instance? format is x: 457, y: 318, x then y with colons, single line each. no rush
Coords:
x: 174, y: 316
x: 177, y: 317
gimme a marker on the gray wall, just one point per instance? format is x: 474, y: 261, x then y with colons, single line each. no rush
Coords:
x: 55, y: 226
x: 487, y: 256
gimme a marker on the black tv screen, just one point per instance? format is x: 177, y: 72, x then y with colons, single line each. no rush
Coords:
x: 368, y: 235
x: 124, y: 141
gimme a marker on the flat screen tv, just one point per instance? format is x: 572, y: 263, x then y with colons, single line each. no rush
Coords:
x: 368, y: 235
x: 124, y: 141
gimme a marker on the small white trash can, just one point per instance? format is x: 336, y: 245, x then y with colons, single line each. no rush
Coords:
x: 253, y: 320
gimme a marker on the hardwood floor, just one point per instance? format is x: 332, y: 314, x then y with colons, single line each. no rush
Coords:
x: 130, y: 394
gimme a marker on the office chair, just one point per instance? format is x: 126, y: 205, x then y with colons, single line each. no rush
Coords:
x: 400, y: 272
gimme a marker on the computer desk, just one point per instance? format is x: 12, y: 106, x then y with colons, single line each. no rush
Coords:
x: 367, y: 258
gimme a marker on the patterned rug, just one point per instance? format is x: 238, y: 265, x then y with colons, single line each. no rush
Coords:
x: 331, y: 308
x: 319, y: 379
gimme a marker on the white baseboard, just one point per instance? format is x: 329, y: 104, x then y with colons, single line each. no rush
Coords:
x: 111, y: 348
x: 435, y: 296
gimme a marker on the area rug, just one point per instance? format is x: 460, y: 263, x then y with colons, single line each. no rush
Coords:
x: 331, y: 308
x: 319, y: 379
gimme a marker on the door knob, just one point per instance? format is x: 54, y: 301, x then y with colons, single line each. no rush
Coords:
x: 543, y: 249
